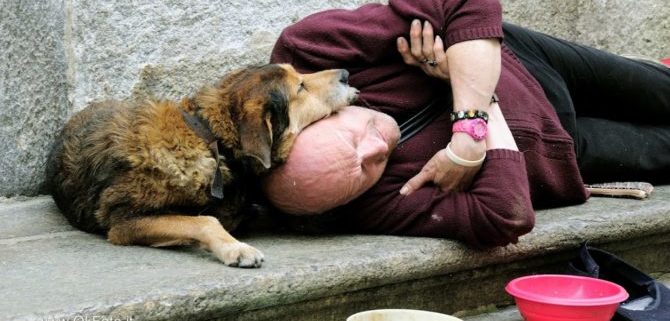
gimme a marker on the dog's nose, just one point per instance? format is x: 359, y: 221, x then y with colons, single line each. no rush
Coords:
x: 344, y: 76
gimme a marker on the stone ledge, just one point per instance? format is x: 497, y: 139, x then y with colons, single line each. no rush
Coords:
x: 48, y: 269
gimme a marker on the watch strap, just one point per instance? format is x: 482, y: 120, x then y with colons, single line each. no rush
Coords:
x: 476, y: 128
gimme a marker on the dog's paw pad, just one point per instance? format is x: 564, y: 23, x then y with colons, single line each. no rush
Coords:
x: 239, y: 254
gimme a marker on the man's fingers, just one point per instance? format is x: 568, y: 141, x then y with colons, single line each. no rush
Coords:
x: 403, y: 49
x: 415, y: 39
x: 427, y: 41
x: 415, y: 183
x: 440, y: 55
x: 438, y: 48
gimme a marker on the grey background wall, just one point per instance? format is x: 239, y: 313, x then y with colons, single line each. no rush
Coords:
x: 33, y: 89
x: 57, y: 56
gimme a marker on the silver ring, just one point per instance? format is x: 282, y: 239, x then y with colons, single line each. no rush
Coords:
x: 431, y: 63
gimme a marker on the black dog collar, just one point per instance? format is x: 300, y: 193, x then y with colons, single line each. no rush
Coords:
x: 201, y: 128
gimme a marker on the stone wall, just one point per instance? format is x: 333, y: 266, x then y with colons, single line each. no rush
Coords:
x: 33, y: 89
x: 57, y: 56
x: 638, y: 27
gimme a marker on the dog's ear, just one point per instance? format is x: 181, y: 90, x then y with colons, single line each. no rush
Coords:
x: 262, y: 124
x: 256, y: 135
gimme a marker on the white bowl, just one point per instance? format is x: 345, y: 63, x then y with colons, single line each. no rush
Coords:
x: 400, y: 315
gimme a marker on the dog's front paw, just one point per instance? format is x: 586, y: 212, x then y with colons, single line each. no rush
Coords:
x: 238, y: 254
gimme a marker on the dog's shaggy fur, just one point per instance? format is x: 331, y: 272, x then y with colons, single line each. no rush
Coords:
x: 140, y: 174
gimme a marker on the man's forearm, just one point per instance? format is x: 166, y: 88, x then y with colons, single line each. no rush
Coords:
x: 474, y: 69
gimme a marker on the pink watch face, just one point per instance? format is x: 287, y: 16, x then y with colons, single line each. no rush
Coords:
x: 476, y: 128
x: 479, y: 130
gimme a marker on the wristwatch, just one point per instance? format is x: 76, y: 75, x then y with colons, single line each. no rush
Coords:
x: 475, y: 127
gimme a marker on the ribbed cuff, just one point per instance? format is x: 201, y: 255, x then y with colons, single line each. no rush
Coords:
x: 472, y: 34
x: 504, y: 154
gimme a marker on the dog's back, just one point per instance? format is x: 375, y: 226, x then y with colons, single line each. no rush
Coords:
x: 82, y: 163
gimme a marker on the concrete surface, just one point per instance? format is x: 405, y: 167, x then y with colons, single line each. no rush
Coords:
x: 48, y: 269
x: 57, y: 56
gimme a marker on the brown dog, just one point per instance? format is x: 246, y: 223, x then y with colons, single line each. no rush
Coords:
x: 144, y: 173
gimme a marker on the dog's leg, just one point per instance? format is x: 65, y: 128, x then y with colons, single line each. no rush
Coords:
x: 167, y: 230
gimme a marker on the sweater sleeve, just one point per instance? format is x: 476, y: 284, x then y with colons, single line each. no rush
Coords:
x: 494, y: 212
x: 367, y: 35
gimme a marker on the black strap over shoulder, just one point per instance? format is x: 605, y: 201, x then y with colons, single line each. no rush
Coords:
x: 419, y: 121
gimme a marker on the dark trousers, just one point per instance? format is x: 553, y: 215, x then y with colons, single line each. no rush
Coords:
x: 616, y: 109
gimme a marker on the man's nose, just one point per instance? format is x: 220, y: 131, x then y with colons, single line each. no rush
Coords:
x: 373, y: 149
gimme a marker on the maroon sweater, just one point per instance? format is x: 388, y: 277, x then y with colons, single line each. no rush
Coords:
x: 499, y: 206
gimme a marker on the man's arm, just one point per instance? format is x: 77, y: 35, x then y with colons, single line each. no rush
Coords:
x: 367, y: 35
x: 496, y: 210
x: 473, y: 68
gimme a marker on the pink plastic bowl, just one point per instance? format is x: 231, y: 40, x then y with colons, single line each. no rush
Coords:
x: 549, y: 297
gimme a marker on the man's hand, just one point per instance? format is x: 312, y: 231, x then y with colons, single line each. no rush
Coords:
x: 444, y: 173
x: 424, y: 50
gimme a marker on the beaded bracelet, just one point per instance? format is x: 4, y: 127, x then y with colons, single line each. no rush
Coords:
x: 469, y: 114
x: 472, y: 113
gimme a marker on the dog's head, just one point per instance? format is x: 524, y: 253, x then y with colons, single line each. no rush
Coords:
x: 269, y: 105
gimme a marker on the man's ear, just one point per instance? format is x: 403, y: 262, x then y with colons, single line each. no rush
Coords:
x: 256, y: 136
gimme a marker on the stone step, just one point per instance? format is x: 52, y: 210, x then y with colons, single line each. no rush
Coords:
x: 510, y: 313
x: 49, y: 270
